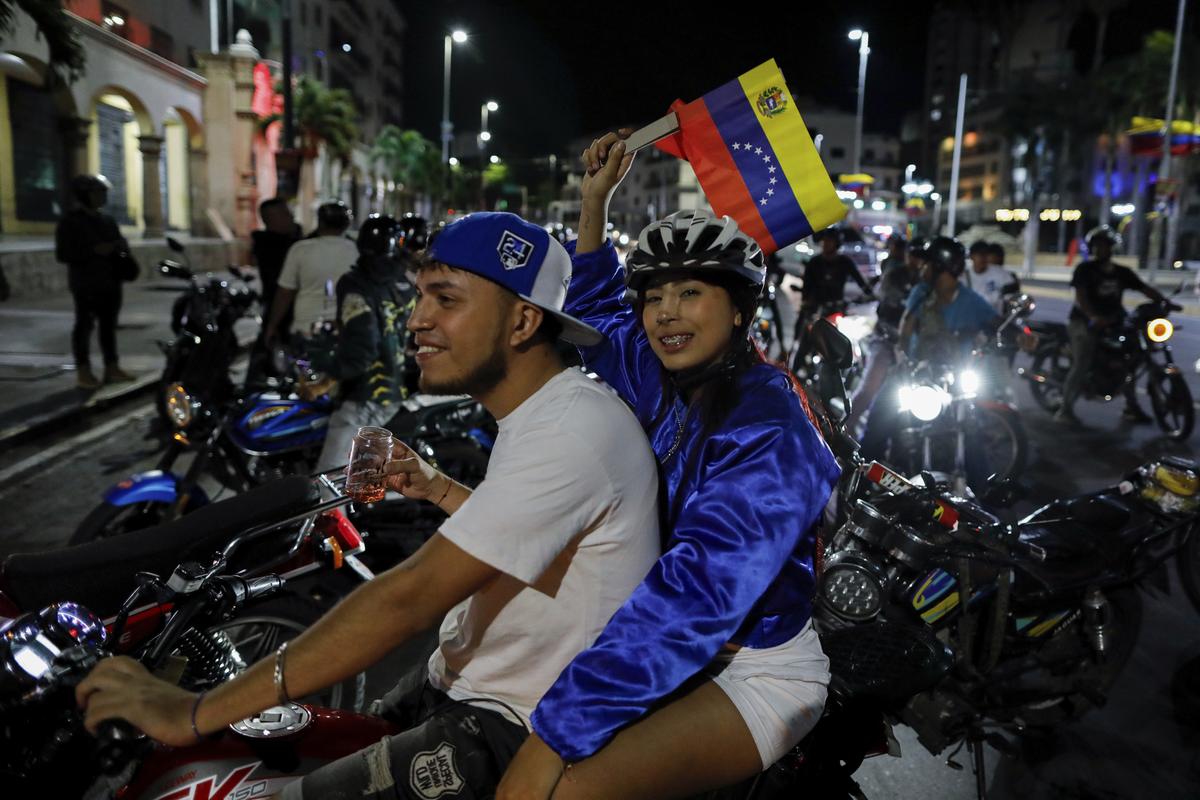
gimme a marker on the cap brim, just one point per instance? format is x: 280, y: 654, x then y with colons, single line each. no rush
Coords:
x: 573, y: 331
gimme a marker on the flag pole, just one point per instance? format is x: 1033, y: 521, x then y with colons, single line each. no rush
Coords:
x: 958, y: 137
x: 648, y: 135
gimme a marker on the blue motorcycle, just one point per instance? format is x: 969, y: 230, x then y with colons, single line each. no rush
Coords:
x: 268, y: 435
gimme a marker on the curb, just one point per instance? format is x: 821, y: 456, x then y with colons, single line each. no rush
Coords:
x: 37, y: 425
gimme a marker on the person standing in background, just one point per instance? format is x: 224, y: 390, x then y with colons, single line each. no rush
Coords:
x: 89, y: 242
x: 269, y: 246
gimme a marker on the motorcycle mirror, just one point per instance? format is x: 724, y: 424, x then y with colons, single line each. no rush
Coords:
x: 832, y: 345
x: 174, y: 245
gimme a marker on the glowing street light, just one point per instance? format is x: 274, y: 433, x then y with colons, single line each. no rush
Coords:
x: 495, y: 159
x: 864, y: 49
x: 457, y: 37
x: 453, y: 161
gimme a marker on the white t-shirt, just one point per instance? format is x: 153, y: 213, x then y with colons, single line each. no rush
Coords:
x: 312, y: 269
x: 989, y: 283
x: 567, y: 512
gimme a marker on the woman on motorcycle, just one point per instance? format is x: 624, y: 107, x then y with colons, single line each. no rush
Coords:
x: 717, y: 638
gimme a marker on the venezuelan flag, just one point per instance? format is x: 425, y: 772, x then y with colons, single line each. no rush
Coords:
x: 755, y: 160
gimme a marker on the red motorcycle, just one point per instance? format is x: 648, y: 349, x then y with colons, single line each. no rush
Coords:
x: 206, y: 622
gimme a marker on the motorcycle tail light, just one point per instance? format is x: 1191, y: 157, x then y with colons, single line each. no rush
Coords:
x: 1159, y: 330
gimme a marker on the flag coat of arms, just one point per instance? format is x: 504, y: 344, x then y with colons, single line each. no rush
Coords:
x: 754, y: 159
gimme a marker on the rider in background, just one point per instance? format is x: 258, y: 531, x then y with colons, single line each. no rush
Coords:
x: 825, y: 275
x: 941, y: 320
x: 986, y: 275
x: 1099, y: 284
x: 711, y: 671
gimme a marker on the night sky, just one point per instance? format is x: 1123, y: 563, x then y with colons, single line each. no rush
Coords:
x: 561, y: 69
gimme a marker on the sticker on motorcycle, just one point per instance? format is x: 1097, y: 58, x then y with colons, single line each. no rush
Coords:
x: 208, y: 788
x: 433, y: 773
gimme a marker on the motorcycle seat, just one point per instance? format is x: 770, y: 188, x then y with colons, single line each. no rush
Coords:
x: 100, y: 575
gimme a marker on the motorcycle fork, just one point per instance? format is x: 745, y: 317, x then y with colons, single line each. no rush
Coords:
x: 183, y: 489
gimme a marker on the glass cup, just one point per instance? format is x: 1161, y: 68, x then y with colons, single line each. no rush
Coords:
x: 366, y: 481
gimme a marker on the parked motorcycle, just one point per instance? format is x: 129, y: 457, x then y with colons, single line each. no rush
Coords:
x: 1041, y: 615
x: 204, y: 624
x: 856, y: 327
x: 266, y: 436
x: 205, y: 344
x: 1124, y: 353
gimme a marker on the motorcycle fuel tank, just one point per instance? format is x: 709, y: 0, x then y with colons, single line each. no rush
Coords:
x: 274, y: 424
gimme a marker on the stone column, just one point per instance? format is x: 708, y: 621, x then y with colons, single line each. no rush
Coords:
x: 229, y: 129
x: 151, y: 149
x: 198, y: 192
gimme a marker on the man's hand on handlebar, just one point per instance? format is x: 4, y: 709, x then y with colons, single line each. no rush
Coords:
x: 121, y: 688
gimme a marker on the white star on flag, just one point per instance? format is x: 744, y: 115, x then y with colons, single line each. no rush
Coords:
x: 737, y: 146
x: 770, y: 192
x: 758, y: 151
x: 747, y: 145
x: 767, y: 159
x: 773, y: 180
x: 762, y: 201
x: 771, y: 169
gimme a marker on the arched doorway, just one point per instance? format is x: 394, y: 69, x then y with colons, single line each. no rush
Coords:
x: 113, y: 149
x: 182, y: 136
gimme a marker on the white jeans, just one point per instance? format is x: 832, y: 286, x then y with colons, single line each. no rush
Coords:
x: 779, y: 691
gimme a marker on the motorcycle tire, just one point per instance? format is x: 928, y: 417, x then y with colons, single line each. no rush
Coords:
x: 259, y: 628
x: 107, y: 520
x: 1052, y: 362
x: 1126, y: 608
x: 1188, y: 564
x: 1007, y: 444
x: 1171, y: 400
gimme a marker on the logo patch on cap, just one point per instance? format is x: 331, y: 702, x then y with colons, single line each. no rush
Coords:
x: 514, y: 251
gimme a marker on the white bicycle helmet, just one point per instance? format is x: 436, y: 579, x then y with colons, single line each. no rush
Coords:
x: 694, y: 241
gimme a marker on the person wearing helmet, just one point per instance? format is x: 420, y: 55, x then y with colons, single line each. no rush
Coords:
x: 89, y: 242
x: 1099, y: 284
x: 522, y: 574
x: 310, y: 273
x: 414, y: 232
x: 826, y: 273
x: 365, y: 365
x: 718, y: 636
x: 942, y: 318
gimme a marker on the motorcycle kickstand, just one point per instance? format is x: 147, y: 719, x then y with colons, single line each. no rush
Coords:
x: 977, y: 764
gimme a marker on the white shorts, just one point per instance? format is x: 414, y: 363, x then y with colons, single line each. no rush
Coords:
x: 779, y: 691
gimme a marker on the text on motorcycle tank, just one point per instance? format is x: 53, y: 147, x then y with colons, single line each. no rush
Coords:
x: 895, y: 483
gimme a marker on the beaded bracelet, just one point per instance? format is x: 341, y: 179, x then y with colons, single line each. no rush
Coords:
x: 195, y: 708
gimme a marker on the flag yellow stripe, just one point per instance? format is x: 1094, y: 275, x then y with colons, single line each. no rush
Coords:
x: 794, y: 149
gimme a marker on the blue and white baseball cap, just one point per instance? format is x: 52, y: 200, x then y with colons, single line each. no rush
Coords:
x: 518, y: 255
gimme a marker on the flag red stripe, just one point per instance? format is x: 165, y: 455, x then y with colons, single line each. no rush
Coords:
x: 718, y: 174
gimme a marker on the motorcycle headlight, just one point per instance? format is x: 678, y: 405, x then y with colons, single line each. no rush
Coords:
x: 968, y: 382
x: 181, y: 408
x: 1159, y: 330
x: 924, y: 402
x: 852, y: 586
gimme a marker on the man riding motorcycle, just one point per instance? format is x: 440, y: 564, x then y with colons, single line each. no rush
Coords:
x: 941, y: 319
x: 825, y: 276
x: 527, y: 569
x: 1099, y: 284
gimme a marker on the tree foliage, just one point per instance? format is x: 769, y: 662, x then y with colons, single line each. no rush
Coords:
x: 325, y: 115
x: 67, y: 57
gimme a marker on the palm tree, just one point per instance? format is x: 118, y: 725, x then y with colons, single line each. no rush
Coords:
x: 67, y: 58
x: 326, y: 117
x: 404, y: 156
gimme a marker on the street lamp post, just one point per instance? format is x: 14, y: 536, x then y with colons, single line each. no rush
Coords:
x: 485, y: 135
x: 456, y: 37
x: 863, y: 38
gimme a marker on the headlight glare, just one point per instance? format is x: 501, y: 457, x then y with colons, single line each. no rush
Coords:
x: 180, y: 406
x: 1159, y: 330
x: 968, y: 381
x: 923, y: 402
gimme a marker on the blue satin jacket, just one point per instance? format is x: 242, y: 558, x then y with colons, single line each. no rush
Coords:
x: 738, y: 565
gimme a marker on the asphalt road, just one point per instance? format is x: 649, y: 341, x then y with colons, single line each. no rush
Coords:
x: 1135, y: 747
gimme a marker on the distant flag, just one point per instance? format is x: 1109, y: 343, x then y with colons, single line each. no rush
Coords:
x: 1146, y: 137
x: 755, y: 160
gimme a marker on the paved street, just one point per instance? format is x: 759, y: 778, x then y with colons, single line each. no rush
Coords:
x: 1135, y: 747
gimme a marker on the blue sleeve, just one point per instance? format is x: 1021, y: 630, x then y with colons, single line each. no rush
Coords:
x: 596, y: 295
x: 982, y: 313
x: 916, y: 297
x: 765, y: 486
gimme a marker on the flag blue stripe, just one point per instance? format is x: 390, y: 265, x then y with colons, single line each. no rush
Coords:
x: 737, y: 122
